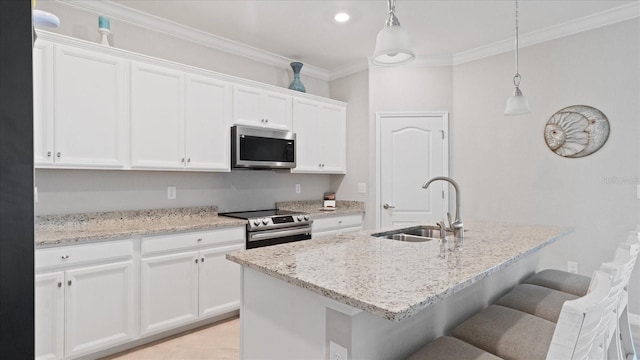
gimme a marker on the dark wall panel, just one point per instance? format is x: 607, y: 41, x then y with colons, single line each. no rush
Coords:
x: 16, y: 181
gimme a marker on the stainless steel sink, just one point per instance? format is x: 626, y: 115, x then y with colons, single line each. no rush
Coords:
x: 419, y: 233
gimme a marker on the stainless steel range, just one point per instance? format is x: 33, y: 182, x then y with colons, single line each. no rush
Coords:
x: 272, y: 227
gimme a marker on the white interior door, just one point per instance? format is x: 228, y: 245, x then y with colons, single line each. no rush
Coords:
x: 411, y: 149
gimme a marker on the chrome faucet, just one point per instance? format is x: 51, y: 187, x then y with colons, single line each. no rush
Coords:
x: 456, y: 225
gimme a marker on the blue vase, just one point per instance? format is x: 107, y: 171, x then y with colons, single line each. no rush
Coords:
x: 296, y: 84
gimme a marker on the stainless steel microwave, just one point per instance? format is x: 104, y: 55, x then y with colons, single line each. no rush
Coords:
x: 260, y: 148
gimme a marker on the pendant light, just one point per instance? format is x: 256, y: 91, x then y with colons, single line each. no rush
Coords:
x: 392, y: 44
x: 517, y: 104
x: 43, y: 18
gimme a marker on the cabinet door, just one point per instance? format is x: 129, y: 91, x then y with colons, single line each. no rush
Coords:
x: 49, y: 316
x: 157, y: 117
x: 219, y: 281
x: 208, y: 122
x: 308, y: 144
x: 43, y: 103
x: 89, y: 114
x: 333, y: 134
x: 169, y: 291
x: 99, y: 307
x: 247, y: 106
x: 277, y: 110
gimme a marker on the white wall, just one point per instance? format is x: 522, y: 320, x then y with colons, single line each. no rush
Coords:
x: 504, y: 167
x: 354, y: 89
x: 68, y: 191
x: 83, y: 24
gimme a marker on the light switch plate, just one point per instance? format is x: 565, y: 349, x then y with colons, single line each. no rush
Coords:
x: 362, y: 188
x: 572, y: 267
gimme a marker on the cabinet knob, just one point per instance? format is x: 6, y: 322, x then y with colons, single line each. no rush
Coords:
x: 64, y: 257
x: 48, y: 153
x: 69, y: 282
x: 196, y: 261
x: 58, y: 154
x: 182, y: 160
x: 202, y: 259
x: 266, y: 120
x: 59, y: 284
x: 189, y: 160
x: 199, y: 240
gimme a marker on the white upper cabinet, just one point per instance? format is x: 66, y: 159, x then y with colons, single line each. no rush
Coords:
x: 261, y: 108
x: 157, y: 117
x: 80, y: 113
x: 43, y: 103
x: 320, y: 137
x: 179, y: 120
x: 208, y: 123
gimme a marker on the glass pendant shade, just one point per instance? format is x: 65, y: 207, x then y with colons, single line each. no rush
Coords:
x: 43, y: 18
x: 392, y: 47
x: 517, y: 104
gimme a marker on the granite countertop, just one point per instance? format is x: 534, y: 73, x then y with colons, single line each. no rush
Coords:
x: 395, y: 279
x: 314, y: 207
x: 52, y: 230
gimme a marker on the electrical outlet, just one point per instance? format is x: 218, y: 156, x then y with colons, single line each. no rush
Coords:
x: 35, y: 194
x: 572, y: 267
x: 337, y: 352
x: 171, y: 192
x: 362, y: 188
x: 298, y: 189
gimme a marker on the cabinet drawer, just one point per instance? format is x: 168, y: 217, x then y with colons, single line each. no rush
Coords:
x: 191, y: 240
x: 79, y: 254
x: 336, y: 222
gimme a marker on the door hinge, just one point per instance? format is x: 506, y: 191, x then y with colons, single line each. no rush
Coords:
x: 443, y: 134
x: 443, y: 194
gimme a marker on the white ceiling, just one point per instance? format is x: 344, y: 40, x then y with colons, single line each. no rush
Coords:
x: 304, y: 30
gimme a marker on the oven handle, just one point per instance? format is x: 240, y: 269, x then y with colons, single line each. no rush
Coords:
x: 273, y: 234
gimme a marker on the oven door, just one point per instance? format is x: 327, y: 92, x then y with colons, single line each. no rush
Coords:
x: 278, y: 236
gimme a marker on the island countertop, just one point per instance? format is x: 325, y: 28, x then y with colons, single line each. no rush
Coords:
x: 396, y: 279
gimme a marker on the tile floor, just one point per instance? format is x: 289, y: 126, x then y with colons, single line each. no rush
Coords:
x: 220, y: 341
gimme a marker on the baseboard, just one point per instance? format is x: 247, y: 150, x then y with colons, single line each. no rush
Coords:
x: 634, y: 321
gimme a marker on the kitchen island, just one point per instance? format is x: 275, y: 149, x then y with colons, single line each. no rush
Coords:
x: 377, y: 298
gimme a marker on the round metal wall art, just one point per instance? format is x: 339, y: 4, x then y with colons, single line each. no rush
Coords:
x: 576, y: 131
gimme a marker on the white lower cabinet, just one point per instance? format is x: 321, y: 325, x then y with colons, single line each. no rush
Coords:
x: 334, y: 225
x: 84, y: 299
x: 186, y: 277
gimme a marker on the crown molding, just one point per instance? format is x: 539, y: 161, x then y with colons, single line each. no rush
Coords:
x: 133, y: 16
x: 139, y: 18
x: 594, y: 21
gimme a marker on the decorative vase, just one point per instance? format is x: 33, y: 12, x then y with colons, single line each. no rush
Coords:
x: 296, y: 84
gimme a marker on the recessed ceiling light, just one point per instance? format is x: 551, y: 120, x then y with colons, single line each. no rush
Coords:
x: 342, y: 17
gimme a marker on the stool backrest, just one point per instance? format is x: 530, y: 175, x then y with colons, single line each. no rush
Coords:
x: 582, y: 324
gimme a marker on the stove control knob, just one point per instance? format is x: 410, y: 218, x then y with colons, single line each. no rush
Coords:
x: 256, y: 222
x: 265, y: 221
x: 306, y: 217
x: 299, y: 217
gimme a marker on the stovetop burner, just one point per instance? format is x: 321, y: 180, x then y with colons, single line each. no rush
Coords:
x: 260, y: 213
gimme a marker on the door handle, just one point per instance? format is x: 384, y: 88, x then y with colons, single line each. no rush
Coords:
x: 387, y: 206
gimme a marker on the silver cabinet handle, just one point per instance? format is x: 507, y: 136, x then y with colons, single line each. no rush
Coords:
x: 58, y: 154
x: 48, y: 153
x: 64, y: 257
x: 387, y: 206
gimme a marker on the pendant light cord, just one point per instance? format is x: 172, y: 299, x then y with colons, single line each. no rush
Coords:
x: 517, y: 77
x: 392, y: 20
